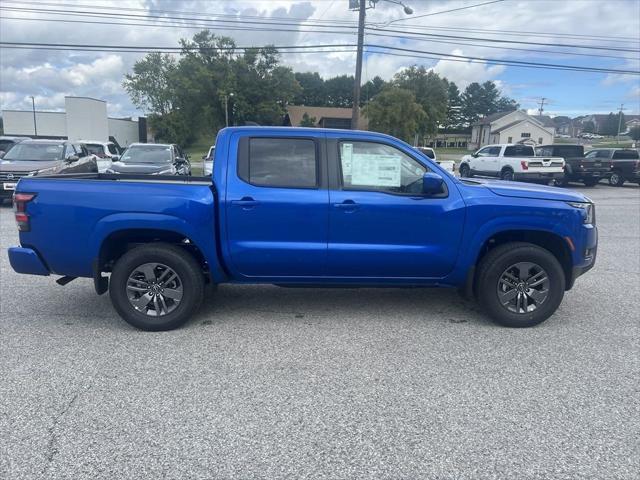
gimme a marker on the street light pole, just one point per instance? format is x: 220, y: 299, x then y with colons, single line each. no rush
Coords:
x: 35, y: 127
x: 355, y: 112
x: 226, y: 108
x: 619, y: 122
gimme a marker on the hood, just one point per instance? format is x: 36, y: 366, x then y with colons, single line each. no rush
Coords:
x: 28, y: 166
x: 148, y: 168
x: 532, y: 190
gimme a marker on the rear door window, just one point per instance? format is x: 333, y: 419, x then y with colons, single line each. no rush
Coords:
x: 280, y: 162
x: 519, y: 151
x: 625, y: 155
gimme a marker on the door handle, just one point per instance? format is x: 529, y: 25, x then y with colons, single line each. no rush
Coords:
x: 347, y: 205
x: 245, y: 202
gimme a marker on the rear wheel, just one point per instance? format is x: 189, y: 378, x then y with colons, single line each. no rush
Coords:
x: 520, y: 284
x: 616, y: 179
x: 507, y: 174
x: 156, y: 287
x: 465, y: 171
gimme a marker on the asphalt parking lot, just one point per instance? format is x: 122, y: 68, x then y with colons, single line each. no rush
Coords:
x: 276, y: 383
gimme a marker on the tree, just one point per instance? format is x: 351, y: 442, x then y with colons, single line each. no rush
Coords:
x: 396, y: 112
x: 611, y: 124
x: 454, y: 105
x: 312, y: 89
x: 430, y: 92
x: 481, y: 100
x: 339, y: 91
x: 634, y: 133
x: 307, y: 121
x: 588, y: 127
x: 371, y: 89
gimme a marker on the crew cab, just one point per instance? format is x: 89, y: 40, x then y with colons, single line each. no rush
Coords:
x: 42, y: 157
x: 623, y: 164
x: 512, y: 162
x: 577, y: 167
x: 305, y: 207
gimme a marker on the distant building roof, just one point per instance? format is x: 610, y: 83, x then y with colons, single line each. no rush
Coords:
x: 508, y: 125
x: 296, y: 112
x: 492, y: 118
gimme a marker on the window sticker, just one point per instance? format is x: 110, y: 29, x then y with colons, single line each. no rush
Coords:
x: 376, y: 170
x: 346, y: 155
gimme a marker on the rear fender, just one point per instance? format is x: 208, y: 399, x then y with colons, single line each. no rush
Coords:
x: 202, y: 238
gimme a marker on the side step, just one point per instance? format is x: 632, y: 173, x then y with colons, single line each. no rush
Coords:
x: 64, y: 280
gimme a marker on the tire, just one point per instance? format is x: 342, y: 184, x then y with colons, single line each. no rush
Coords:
x: 592, y: 182
x: 561, y: 182
x: 166, y: 260
x: 616, y: 179
x: 490, y: 284
x: 465, y: 171
x: 507, y: 175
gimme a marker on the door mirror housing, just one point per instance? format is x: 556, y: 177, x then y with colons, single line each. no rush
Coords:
x: 115, y: 158
x: 432, y: 183
x: 475, y: 155
x: 73, y: 158
x: 2, y: 153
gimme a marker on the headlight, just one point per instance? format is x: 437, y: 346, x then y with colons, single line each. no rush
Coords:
x: 589, y: 209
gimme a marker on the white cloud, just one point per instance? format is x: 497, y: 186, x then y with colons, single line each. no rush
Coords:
x: 463, y: 73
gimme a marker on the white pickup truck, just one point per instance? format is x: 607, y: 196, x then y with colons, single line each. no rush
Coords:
x: 512, y: 162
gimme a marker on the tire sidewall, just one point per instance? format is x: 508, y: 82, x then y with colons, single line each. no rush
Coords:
x: 506, y: 175
x: 180, y: 263
x: 465, y: 171
x: 491, y: 272
x: 616, y: 179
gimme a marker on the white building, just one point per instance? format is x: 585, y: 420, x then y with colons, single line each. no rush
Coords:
x: 510, y: 127
x: 83, y: 119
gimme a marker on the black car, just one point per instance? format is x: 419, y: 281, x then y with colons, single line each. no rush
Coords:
x: 577, y: 166
x: 623, y: 163
x: 43, y: 157
x: 152, y: 159
x: 7, y: 142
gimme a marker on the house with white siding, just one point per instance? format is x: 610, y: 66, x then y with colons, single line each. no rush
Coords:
x: 510, y: 127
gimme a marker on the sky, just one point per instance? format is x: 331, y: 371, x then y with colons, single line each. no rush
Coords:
x: 51, y: 75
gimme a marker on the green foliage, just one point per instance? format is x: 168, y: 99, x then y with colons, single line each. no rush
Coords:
x: 482, y: 100
x: 612, y: 123
x: 634, y: 133
x: 307, y: 121
x: 395, y: 111
x: 588, y: 127
x: 430, y: 92
x: 453, y: 120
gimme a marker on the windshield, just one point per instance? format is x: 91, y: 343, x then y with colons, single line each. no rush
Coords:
x: 147, y: 154
x: 6, y: 144
x: 35, y: 152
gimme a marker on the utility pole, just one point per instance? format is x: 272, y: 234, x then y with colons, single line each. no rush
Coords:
x: 35, y: 127
x: 541, y: 109
x: 355, y: 112
x: 226, y: 108
x: 361, y: 6
x: 619, y: 122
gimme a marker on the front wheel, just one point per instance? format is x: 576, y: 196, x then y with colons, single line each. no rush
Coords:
x: 520, y: 284
x: 465, y: 171
x: 156, y: 287
x: 616, y: 179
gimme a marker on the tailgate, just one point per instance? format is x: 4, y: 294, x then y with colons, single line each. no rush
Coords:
x: 599, y: 165
x: 545, y: 164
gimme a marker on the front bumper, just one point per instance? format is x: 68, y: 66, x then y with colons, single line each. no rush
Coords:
x: 27, y: 260
x: 586, y: 253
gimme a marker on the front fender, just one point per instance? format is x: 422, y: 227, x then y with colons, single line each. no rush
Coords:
x: 202, y: 238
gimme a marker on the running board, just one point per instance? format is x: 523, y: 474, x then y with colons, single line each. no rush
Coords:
x: 64, y: 280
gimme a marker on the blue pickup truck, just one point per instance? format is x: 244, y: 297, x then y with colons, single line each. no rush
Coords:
x: 305, y: 207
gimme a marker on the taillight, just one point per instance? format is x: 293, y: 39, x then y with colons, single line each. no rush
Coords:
x: 20, y: 201
x: 524, y: 164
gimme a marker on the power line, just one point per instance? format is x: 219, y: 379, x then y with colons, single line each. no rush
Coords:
x: 302, y: 48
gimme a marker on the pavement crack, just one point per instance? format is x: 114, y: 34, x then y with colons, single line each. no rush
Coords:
x: 52, y: 443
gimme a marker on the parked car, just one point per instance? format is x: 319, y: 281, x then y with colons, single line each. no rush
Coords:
x: 512, y: 162
x: 623, y: 164
x: 43, y: 157
x: 448, y: 165
x: 107, y: 152
x: 7, y: 142
x: 577, y: 167
x: 207, y: 161
x: 306, y: 207
x: 152, y: 159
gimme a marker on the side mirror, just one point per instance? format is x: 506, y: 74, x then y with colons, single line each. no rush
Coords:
x: 115, y: 158
x: 73, y: 158
x: 432, y: 183
x: 475, y: 155
x: 204, y: 157
x: 2, y: 153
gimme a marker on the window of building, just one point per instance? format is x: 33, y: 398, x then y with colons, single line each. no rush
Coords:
x: 280, y: 162
x: 540, y: 140
x: 379, y: 167
x: 510, y: 140
x: 525, y: 135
